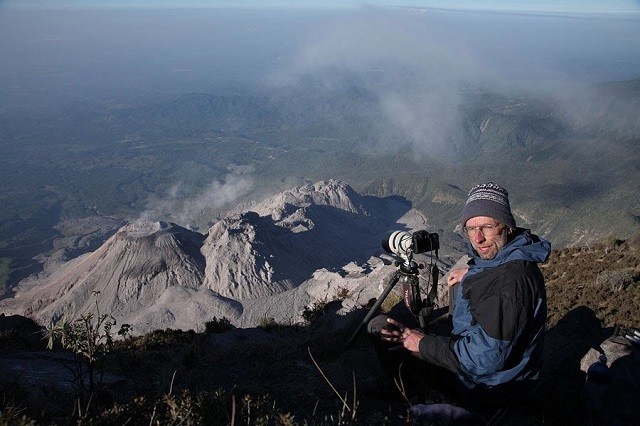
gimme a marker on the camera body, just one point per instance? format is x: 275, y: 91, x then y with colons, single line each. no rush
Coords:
x: 424, y: 241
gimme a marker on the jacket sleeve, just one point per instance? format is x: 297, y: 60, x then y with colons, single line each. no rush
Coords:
x: 480, y: 354
x: 474, y: 354
x: 437, y: 351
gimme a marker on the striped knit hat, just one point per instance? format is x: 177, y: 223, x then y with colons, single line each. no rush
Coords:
x: 491, y: 200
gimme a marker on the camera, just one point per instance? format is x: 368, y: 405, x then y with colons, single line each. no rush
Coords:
x: 405, y: 243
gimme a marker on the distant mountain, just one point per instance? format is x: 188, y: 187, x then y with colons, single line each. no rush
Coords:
x: 349, y: 111
x: 607, y: 110
x: 568, y: 160
x: 130, y: 271
x: 296, y: 247
x: 484, y: 121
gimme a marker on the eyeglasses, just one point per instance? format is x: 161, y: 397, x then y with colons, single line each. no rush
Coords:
x: 487, y: 230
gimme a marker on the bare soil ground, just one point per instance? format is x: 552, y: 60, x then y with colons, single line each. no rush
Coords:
x: 604, y: 278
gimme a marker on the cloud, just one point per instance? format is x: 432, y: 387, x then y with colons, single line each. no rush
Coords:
x: 419, y: 63
x: 412, y: 67
x: 375, y: 41
x: 194, y: 210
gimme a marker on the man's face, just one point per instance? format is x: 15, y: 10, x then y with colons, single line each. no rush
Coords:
x: 486, y: 240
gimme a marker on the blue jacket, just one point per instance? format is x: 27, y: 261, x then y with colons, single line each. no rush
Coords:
x: 498, y: 319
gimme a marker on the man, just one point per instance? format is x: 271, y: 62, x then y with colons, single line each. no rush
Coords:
x: 494, y: 349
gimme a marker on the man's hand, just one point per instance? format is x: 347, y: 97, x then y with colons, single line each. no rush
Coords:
x: 409, y: 338
x: 456, y: 275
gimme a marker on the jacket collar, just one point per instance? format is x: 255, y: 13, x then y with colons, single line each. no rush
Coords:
x: 523, y: 246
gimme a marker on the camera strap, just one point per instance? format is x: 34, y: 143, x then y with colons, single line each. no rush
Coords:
x: 435, y: 276
x: 429, y: 303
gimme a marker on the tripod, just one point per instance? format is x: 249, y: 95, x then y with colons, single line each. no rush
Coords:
x: 407, y: 273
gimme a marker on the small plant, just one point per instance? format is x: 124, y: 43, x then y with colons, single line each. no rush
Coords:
x: 125, y: 331
x: 261, y: 410
x: 617, y: 279
x: 347, y: 413
x: 611, y: 242
x: 9, y: 418
x: 185, y: 408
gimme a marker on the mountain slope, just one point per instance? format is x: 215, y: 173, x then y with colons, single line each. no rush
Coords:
x: 298, y: 246
x: 130, y: 270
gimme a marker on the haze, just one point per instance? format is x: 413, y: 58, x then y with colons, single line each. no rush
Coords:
x: 68, y: 54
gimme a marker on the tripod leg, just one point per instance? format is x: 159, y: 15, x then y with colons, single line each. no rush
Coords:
x: 392, y: 282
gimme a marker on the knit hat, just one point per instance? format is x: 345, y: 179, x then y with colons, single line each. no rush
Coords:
x: 491, y: 200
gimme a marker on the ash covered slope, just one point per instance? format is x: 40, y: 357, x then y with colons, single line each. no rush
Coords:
x: 284, y: 239
x: 293, y: 248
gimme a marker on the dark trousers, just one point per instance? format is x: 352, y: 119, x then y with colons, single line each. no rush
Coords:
x: 404, y: 369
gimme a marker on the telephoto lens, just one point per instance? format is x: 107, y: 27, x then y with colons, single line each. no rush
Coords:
x: 398, y: 242
x: 402, y: 242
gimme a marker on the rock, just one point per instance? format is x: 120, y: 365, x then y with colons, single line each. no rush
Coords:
x: 618, y: 396
x: 19, y: 332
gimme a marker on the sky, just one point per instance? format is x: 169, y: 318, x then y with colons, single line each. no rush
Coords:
x: 540, y: 6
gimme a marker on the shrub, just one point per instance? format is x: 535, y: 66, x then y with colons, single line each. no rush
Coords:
x: 618, y: 279
x: 315, y: 310
x: 13, y: 419
x: 190, y: 408
x: 342, y: 293
x: 218, y: 326
x: 267, y: 324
